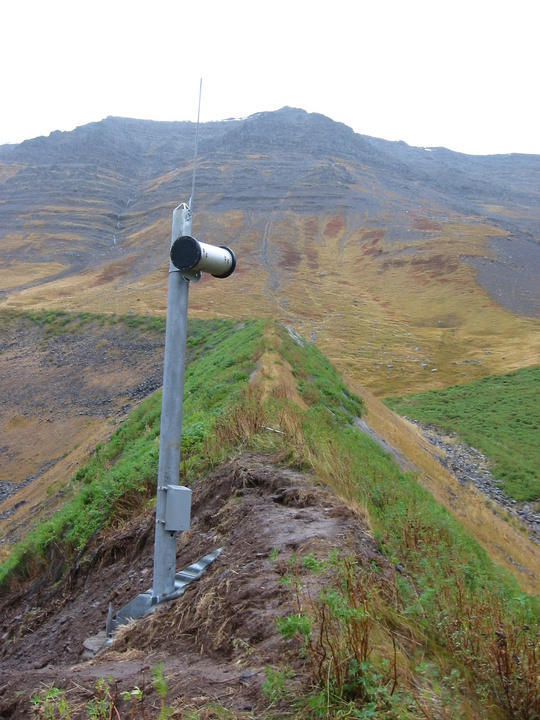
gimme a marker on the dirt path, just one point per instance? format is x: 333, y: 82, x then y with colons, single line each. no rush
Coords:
x: 216, y: 640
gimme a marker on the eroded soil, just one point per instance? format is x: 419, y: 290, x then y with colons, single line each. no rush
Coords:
x: 216, y: 640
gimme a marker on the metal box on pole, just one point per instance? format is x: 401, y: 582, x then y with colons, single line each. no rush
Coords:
x: 177, y: 508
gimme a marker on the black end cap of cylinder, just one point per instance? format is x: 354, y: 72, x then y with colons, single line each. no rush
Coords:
x: 185, y: 253
x: 233, y: 264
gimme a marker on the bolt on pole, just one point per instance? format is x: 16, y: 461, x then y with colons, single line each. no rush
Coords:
x: 171, y: 412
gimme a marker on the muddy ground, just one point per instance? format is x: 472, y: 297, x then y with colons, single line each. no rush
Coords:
x: 216, y: 640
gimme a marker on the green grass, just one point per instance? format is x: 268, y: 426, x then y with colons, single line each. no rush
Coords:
x: 126, y: 466
x: 450, y: 611
x: 498, y: 415
x: 318, y: 382
x: 447, y: 586
x: 410, y: 525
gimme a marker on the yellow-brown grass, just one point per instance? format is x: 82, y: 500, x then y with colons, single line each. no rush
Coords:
x: 378, y: 310
x: 503, y: 542
x: 23, y: 273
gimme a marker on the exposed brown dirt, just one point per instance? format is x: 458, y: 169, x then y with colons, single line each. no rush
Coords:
x: 335, y: 226
x: 215, y: 641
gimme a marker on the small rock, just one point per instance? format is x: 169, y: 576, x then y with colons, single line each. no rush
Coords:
x: 93, y: 644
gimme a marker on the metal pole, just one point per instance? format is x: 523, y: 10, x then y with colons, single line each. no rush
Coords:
x: 171, y: 412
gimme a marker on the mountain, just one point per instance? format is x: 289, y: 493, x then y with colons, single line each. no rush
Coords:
x: 389, y: 257
x: 411, y: 269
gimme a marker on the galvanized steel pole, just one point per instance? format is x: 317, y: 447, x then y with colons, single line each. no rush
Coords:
x: 171, y: 412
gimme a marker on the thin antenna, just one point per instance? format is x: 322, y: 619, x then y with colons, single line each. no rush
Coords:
x: 196, y: 146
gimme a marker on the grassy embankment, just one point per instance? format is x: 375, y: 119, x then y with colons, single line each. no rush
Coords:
x: 498, y: 415
x: 453, y: 637
x: 124, y: 469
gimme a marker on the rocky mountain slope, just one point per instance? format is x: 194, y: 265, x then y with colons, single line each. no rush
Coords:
x: 409, y: 267
x: 65, y: 384
x: 393, y: 259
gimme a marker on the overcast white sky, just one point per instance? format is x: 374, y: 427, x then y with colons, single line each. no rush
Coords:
x: 463, y: 74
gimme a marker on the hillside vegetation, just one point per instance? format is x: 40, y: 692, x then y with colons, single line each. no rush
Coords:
x: 499, y: 415
x: 357, y: 577
x: 412, y: 269
x: 423, y: 626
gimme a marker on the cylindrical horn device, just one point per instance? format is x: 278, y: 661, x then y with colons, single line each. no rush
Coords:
x: 191, y: 255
